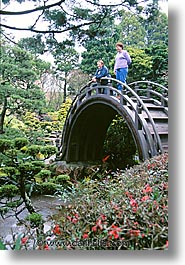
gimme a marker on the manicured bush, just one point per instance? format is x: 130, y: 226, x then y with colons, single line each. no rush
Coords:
x: 35, y: 219
x: 44, y: 174
x: 48, y: 188
x: 8, y: 191
x: 20, y: 142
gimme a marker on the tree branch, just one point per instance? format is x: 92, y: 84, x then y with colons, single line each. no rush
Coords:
x: 50, y: 31
x: 2, y: 12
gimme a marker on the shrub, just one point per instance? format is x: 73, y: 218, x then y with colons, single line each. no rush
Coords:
x: 8, y: 191
x: 44, y: 174
x: 48, y: 188
x: 116, y: 145
x: 20, y: 142
x: 126, y: 210
x: 62, y: 179
x: 35, y: 219
x: 5, y: 145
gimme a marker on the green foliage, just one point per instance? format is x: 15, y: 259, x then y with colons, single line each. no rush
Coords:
x: 19, y: 92
x: 10, y: 170
x: 62, y: 113
x: 5, y: 144
x: 33, y: 44
x: 141, y: 66
x: 63, y: 180
x: 38, y: 165
x: 33, y: 150
x: 48, y: 188
x: 2, y: 246
x: 119, y: 144
x: 20, y: 142
x: 48, y: 151
x: 44, y: 174
x: 35, y: 219
x: 8, y: 191
x: 123, y: 211
x: 159, y: 73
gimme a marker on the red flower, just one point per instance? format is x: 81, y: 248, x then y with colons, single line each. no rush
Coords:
x: 105, y: 158
x: 145, y: 198
x: 85, y: 236
x: 147, y: 189
x: 134, y: 232
x: 57, y: 230
x: 103, y: 217
x: 24, y: 240
x: 128, y: 194
x: 94, y: 228
x: 99, y: 224
x: 114, y: 231
x: 74, y: 220
x: 46, y: 247
x: 69, y: 218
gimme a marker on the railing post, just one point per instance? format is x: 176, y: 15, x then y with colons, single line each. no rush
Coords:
x: 138, y: 111
x: 148, y: 90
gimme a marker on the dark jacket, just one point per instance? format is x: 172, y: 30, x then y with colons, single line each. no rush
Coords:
x: 102, y: 72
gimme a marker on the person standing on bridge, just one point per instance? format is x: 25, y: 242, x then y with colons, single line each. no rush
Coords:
x: 122, y: 61
x: 102, y: 71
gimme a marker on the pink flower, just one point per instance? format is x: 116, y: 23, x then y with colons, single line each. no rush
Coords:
x: 147, y: 189
x: 24, y: 240
x: 134, y: 232
x: 133, y: 203
x: 85, y: 236
x: 94, y: 228
x: 145, y: 198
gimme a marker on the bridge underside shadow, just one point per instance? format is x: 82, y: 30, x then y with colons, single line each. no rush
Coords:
x: 88, y: 130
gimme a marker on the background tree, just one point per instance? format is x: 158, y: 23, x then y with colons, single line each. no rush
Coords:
x: 34, y: 44
x: 156, y: 26
x: 159, y: 69
x: 66, y: 59
x: 131, y: 28
x: 18, y: 75
x: 99, y: 44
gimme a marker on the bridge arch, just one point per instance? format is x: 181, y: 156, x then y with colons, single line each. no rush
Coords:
x: 92, y: 112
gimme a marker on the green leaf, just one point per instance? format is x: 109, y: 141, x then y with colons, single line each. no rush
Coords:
x: 2, y: 246
x: 18, y: 243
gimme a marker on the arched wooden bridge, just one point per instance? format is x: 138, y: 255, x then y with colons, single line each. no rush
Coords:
x: 142, y: 104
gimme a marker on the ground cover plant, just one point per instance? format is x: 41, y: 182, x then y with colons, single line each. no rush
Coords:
x: 121, y: 210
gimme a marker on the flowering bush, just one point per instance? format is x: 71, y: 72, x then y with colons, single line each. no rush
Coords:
x: 126, y: 210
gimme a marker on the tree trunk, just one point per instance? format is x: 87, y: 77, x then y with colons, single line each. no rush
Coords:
x: 65, y: 87
x: 2, y: 115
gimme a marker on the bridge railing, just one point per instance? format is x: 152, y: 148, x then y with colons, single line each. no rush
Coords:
x: 151, y: 90
x: 91, y: 89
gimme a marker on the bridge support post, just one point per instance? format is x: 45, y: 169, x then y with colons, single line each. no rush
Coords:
x: 138, y: 111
